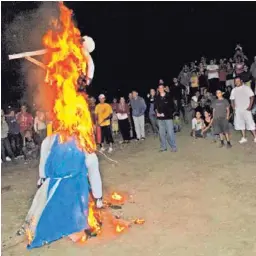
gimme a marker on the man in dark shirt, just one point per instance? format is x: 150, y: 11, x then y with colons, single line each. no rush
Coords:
x: 14, y: 133
x: 164, y: 108
x: 178, y: 94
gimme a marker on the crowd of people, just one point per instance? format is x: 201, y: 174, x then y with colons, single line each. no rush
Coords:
x: 213, y: 96
x: 21, y: 134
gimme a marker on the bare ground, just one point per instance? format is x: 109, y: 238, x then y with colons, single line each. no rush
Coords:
x: 198, y: 201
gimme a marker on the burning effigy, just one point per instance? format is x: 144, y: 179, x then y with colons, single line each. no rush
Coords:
x: 69, y: 200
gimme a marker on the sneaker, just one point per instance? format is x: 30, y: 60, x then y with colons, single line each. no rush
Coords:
x: 26, y: 162
x: 243, y: 140
x: 102, y: 149
x: 8, y: 159
x: 162, y: 150
x: 110, y: 150
x: 142, y: 138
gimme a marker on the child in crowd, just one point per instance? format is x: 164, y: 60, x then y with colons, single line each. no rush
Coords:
x: 197, y: 126
x: 30, y: 149
x: 115, y: 127
x: 176, y: 122
x: 114, y: 121
x: 221, y: 115
x: 208, y: 129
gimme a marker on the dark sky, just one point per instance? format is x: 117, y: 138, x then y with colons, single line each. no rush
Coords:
x: 139, y: 42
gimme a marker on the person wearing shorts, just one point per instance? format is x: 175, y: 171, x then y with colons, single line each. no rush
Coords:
x: 242, y: 98
x: 221, y: 111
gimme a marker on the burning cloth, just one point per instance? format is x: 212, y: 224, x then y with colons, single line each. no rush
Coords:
x: 60, y: 206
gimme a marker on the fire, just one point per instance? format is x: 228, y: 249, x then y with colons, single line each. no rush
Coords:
x: 119, y: 228
x: 65, y: 62
x: 116, y: 197
x: 29, y: 235
x: 94, y: 218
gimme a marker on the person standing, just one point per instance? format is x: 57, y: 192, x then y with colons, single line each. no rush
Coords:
x: 184, y: 77
x: 221, y: 114
x: 194, y: 84
x: 242, y: 98
x: 178, y: 93
x: 138, y: 114
x: 114, y: 120
x: 5, y: 143
x: 152, y: 113
x: 25, y: 120
x: 213, y: 77
x: 133, y: 134
x: 40, y: 126
x: 123, y: 112
x: 253, y: 72
x: 103, y: 112
x: 14, y: 133
x: 222, y: 75
x: 164, y: 107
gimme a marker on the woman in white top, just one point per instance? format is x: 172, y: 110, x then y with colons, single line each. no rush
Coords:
x: 123, y: 112
x: 197, y: 125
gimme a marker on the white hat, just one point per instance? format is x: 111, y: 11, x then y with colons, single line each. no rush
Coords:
x: 194, y: 98
x: 88, y: 43
x: 102, y: 96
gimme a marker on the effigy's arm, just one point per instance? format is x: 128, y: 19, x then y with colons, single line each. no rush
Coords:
x: 92, y: 164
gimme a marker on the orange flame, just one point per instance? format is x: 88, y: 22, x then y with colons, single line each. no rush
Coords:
x: 66, y: 61
x: 116, y: 196
x: 94, y: 218
x: 119, y: 228
x: 29, y: 235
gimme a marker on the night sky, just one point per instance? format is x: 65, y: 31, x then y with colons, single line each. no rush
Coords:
x: 137, y: 43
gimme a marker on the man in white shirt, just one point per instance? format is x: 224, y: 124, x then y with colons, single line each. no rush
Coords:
x: 242, y: 98
x: 213, y: 77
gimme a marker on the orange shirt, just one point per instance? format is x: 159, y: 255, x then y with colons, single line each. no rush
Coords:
x: 103, y: 111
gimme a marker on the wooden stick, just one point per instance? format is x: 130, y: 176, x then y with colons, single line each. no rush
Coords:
x: 38, y: 63
x: 26, y: 54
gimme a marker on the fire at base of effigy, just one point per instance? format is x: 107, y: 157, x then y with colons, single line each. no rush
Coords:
x: 70, y: 182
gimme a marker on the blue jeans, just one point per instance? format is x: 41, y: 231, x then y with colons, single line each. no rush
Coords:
x: 166, y: 132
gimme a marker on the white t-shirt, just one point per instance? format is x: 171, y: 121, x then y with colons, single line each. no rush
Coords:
x: 122, y: 116
x: 197, y: 124
x: 213, y: 74
x: 241, y: 95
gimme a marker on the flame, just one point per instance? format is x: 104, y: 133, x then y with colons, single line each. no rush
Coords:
x: 116, y: 197
x: 29, y: 235
x: 119, y: 228
x: 139, y: 221
x: 94, y: 218
x: 66, y: 61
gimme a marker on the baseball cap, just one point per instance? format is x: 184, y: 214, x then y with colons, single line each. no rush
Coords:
x: 102, y: 96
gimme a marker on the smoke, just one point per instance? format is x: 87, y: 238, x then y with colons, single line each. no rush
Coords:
x: 24, y: 34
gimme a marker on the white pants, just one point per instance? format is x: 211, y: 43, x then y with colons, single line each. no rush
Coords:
x: 244, y: 120
x: 139, y: 123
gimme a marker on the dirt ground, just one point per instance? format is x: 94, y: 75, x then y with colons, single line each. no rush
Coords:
x: 198, y: 201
